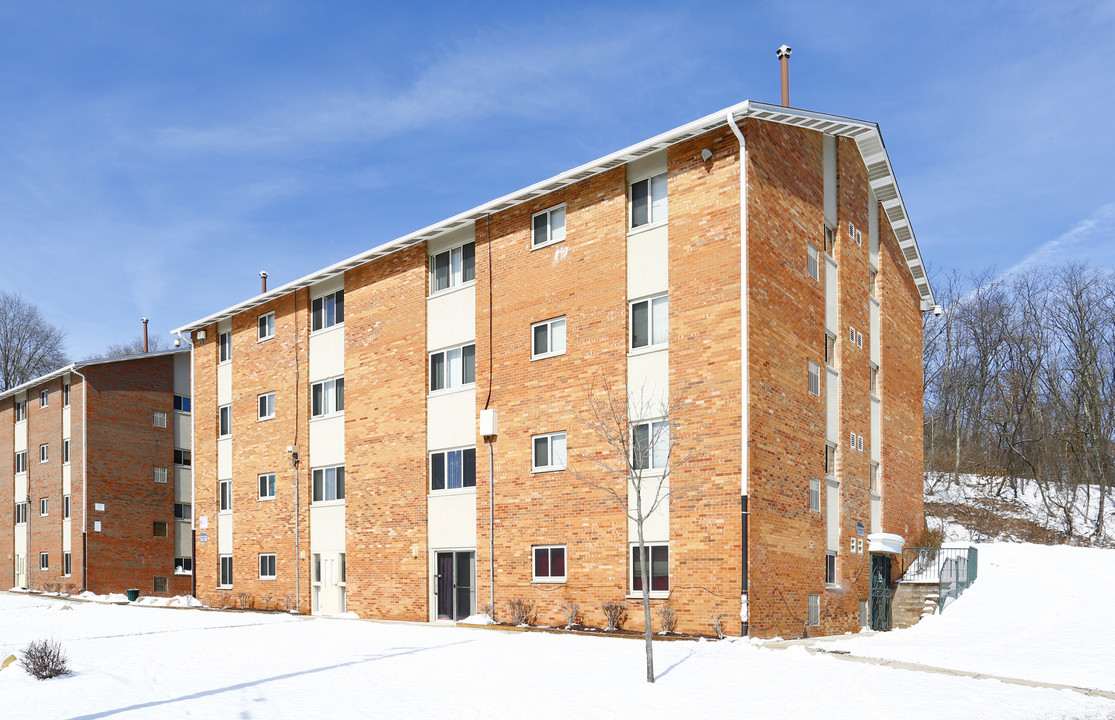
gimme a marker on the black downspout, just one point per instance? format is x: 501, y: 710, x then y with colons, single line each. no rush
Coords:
x: 743, y: 544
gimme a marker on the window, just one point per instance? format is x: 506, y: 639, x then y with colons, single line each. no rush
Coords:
x: 181, y: 457
x: 327, y: 398
x: 874, y: 477
x: 224, y: 343
x: 452, y: 368
x: 44, y: 507
x: 67, y: 566
x: 266, y: 326
x: 547, y: 338
x: 44, y: 561
x: 872, y: 282
x: 329, y: 484
x: 65, y: 394
x: 44, y: 398
x: 814, y: 610
x: 830, y: 239
x: 159, y: 585
x: 648, y: 201
x: 830, y: 349
x: 224, y: 421
x: 328, y: 310
x: 452, y: 268
x: 267, y: 406
x: 815, y: 495
x: 158, y: 418
x: 44, y: 453
x: 650, y: 322
x: 650, y: 445
x: 225, y: 496
x: 873, y: 379
x: 267, y: 486
x: 65, y: 451
x: 183, y: 566
x: 549, y: 564
x: 267, y: 566
x: 852, y: 545
x: 182, y: 403
x: 813, y: 261
x: 183, y: 511
x: 830, y: 567
x: 659, y: 568
x: 548, y: 226
x: 453, y: 469
x: 20, y: 410
x: 22, y: 509
x: 549, y: 452
x: 65, y: 507
x: 160, y: 529
x: 159, y: 474
x: 814, y: 378
x: 21, y: 462
x: 226, y: 571
x: 830, y: 460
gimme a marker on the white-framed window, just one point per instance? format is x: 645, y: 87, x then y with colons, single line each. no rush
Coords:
x: 327, y: 397
x: 267, y: 566
x: 183, y: 566
x: 813, y: 261
x: 452, y: 368
x: 65, y: 394
x: 224, y: 497
x: 159, y: 529
x: 814, y: 610
x: 22, y: 510
x: 548, y: 226
x: 453, y: 268
x: 650, y: 322
x: 20, y: 410
x: 66, y: 451
x: 650, y: 444
x: 183, y: 511
x: 181, y: 457
x: 226, y: 571
x: 830, y: 460
x: 44, y: 398
x: 547, y: 338
x: 44, y: 561
x: 830, y: 239
x: 549, y: 452
x: 873, y: 282
x: 65, y: 507
x: 182, y: 404
x: 158, y: 418
x: 44, y: 453
x: 659, y: 556
x: 549, y: 563
x: 224, y: 421
x: 453, y: 469
x: 874, y: 477
x: 830, y: 349
x: 44, y: 507
x: 224, y: 346
x: 873, y: 379
x: 328, y: 310
x: 329, y: 483
x: 67, y: 565
x: 265, y: 326
x: 266, y: 406
x: 830, y: 566
x: 815, y: 495
x: 649, y: 201
x: 21, y: 462
x: 814, y: 378
x: 267, y: 486
x: 159, y: 474
x: 852, y: 546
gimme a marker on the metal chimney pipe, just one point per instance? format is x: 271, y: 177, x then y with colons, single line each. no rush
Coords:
x: 784, y: 56
x: 144, y: 321
x: 263, y: 281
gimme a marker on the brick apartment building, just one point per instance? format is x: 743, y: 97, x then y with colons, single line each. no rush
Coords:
x: 100, y: 482
x: 778, y: 301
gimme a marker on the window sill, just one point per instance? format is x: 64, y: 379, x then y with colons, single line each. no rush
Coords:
x: 183, y: 572
x: 648, y: 350
x: 546, y: 244
x: 330, y: 416
x: 225, y: 437
x: 451, y: 391
x: 264, y: 339
x: 327, y: 503
x: 448, y: 492
x: 647, y: 227
x: 654, y: 595
x: 224, y: 513
x: 265, y: 419
x: 265, y: 499
x: 451, y: 290
x: 549, y: 581
x: 270, y: 578
x: 327, y: 330
x: 224, y: 362
x: 547, y: 469
x: 546, y: 356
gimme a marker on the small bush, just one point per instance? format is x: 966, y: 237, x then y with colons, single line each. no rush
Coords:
x: 718, y: 625
x: 615, y: 613
x: 488, y: 610
x: 246, y: 600
x: 572, y: 613
x: 522, y: 611
x: 44, y: 659
x: 267, y: 602
x: 669, y: 618
x: 226, y: 598
x: 927, y: 538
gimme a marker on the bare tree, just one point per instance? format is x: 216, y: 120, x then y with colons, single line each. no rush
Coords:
x: 156, y: 343
x: 640, y: 437
x: 29, y: 345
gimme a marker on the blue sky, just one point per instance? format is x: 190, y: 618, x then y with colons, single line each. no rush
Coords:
x: 155, y: 156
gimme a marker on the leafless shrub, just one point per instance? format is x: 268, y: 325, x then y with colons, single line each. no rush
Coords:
x: 669, y: 618
x: 69, y: 588
x: 226, y: 598
x: 267, y: 602
x: 572, y: 613
x: 615, y: 613
x: 522, y: 611
x: 718, y: 625
x: 44, y: 659
x: 51, y: 586
x: 288, y: 603
x: 245, y: 600
x: 488, y: 610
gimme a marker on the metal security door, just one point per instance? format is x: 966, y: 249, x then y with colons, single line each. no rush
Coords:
x: 880, y: 592
x: 455, y: 587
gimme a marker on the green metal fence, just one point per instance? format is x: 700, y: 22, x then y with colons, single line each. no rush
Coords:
x: 954, y: 569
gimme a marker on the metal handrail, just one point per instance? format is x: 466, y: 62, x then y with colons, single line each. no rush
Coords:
x: 954, y: 569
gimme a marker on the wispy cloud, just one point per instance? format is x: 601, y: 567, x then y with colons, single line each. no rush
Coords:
x: 1091, y: 239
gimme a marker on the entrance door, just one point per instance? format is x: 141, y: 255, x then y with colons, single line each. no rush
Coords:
x: 328, y: 583
x: 880, y: 592
x: 454, y: 585
x: 21, y: 571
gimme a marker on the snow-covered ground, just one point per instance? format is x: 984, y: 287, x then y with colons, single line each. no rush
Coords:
x: 1035, y: 612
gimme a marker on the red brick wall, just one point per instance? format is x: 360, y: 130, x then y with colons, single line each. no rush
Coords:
x: 206, y: 564
x: 7, y: 492
x: 44, y: 480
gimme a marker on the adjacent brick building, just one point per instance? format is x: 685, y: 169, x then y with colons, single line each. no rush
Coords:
x: 754, y: 270
x: 100, y: 482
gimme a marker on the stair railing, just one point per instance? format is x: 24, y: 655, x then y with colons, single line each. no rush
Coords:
x: 954, y: 569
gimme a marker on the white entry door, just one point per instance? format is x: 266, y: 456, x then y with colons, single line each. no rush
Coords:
x: 21, y: 571
x: 328, y: 578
